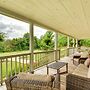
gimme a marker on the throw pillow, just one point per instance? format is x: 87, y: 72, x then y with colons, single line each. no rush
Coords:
x: 87, y: 62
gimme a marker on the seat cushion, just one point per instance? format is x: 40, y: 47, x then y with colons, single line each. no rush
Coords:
x: 81, y: 70
x: 28, y: 76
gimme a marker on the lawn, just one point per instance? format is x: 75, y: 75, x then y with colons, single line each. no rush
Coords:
x: 9, y: 68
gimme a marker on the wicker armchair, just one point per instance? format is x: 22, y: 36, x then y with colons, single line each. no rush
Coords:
x: 75, y: 82
x: 30, y: 82
x: 78, y: 80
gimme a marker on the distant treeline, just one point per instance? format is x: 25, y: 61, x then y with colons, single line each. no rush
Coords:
x: 45, y: 42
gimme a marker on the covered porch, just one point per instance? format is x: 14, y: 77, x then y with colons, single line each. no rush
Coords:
x: 68, y: 17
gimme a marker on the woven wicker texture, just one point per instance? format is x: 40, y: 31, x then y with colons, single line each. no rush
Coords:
x: 78, y: 80
x: 20, y: 83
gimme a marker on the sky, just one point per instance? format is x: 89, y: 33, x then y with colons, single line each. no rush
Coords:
x: 14, y: 28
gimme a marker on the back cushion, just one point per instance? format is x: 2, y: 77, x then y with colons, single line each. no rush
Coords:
x: 87, y: 62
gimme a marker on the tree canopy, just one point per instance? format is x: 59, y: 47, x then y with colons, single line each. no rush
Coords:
x: 46, y: 42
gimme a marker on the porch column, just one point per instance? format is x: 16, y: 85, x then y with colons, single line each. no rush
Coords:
x: 76, y: 43
x: 68, y: 45
x: 73, y: 45
x: 31, y: 45
x: 73, y: 42
x: 56, y: 45
x: 68, y: 42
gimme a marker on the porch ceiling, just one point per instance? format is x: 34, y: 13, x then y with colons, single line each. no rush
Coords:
x: 71, y: 17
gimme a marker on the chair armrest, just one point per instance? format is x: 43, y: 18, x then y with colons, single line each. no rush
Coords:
x: 8, y: 82
x: 75, y: 82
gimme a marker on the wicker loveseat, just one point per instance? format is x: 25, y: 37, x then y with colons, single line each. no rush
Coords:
x: 30, y: 82
x: 79, y: 79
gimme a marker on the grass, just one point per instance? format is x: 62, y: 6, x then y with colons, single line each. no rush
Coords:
x: 9, y: 68
x: 13, y: 68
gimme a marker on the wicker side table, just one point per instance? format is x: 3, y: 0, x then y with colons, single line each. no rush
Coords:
x: 57, y: 66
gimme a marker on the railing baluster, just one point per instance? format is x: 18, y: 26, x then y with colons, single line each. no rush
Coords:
x: 30, y: 66
x: 23, y: 63
x: 15, y: 65
x: 26, y: 63
x: 38, y: 59
x: 19, y: 64
x: 11, y: 66
x: 6, y: 68
x: 1, y: 78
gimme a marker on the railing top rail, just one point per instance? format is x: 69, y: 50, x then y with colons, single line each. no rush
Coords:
x: 71, y: 47
x: 17, y: 55
x: 45, y: 51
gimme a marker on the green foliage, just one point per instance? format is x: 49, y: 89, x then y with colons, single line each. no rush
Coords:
x: 62, y: 40
x: 7, y: 46
x: 46, y: 41
x: 36, y: 43
x: 2, y: 36
x: 84, y: 42
x: 1, y: 47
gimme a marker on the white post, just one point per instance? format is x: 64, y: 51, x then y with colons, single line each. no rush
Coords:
x: 68, y: 42
x: 73, y: 45
x: 76, y: 43
x: 68, y: 45
x: 73, y: 42
x: 31, y: 48
x: 56, y: 45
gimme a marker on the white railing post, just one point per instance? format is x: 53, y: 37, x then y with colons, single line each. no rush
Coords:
x: 76, y: 43
x: 73, y: 45
x: 68, y: 42
x: 31, y: 48
x: 1, y: 71
x: 56, y: 45
x: 73, y: 42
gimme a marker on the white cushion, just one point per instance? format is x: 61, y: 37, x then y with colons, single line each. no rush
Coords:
x: 26, y: 76
x: 87, y: 62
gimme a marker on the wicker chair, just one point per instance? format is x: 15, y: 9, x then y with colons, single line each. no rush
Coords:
x: 30, y: 82
x: 78, y: 80
x: 75, y: 82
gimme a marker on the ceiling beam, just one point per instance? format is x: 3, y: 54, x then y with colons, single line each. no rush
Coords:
x: 12, y: 14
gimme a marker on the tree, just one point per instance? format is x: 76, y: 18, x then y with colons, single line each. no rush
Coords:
x: 62, y: 40
x: 8, y: 46
x: 26, y: 38
x: 36, y: 43
x: 2, y: 36
x: 46, y: 41
x: 1, y: 47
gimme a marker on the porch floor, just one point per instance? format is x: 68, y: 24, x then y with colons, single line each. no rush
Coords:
x: 43, y: 70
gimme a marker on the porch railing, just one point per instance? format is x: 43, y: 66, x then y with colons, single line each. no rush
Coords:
x: 14, y: 64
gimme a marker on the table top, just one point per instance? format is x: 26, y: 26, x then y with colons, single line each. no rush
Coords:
x: 57, y: 65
